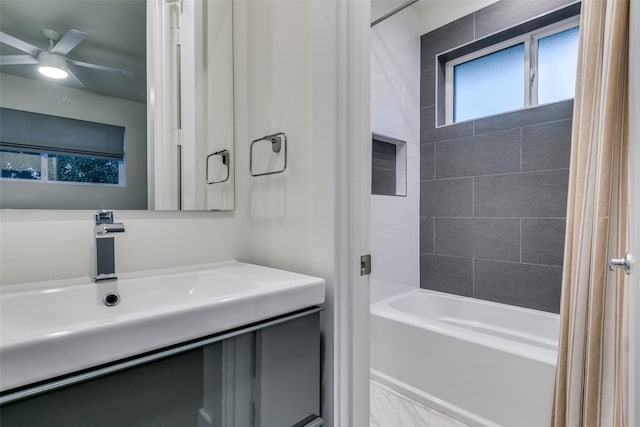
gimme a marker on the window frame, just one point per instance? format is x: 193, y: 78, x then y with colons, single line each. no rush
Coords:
x: 530, y: 40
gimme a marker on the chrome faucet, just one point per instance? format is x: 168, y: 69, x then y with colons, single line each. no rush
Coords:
x: 105, y: 250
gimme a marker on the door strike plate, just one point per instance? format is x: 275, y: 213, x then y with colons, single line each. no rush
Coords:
x: 365, y: 265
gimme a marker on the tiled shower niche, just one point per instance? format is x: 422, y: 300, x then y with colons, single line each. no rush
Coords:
x: 388, y: 166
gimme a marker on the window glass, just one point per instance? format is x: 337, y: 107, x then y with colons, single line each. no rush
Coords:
x: 557, y: 63
x: 82, y: 169
x: 477, y: 82
x: 19, y: 165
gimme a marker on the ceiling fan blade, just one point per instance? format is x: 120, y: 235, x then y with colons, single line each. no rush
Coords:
x: 17, y: 60
x: 19, y: 44
x: 99, y: 67
x: 69, y: 41
x: 73, y: 79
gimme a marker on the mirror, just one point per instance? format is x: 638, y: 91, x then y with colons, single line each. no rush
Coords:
x: 107, y: 135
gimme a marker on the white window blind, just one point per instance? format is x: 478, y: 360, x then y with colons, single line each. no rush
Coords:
x: 30, y: 132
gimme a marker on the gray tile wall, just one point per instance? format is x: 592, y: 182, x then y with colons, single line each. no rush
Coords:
x: 493, y: 190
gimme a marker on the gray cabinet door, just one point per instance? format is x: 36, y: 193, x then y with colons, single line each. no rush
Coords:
x: 288, y: 372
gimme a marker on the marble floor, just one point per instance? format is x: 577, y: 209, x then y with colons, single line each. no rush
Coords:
x: 392, y: 409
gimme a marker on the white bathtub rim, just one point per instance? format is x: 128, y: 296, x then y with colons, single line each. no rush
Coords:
x: 520, y: 349
x: 478, y: 301
x: 432, y: 402
x: 498, y: 329
x: 383, y: 309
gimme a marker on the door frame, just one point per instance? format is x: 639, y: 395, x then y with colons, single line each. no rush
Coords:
x: 351, y: 400
x: 354, y: 156
x: 634, y: 214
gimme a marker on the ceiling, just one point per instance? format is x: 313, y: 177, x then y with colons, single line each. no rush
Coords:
x: 431, y: 14
x: 117, y: 38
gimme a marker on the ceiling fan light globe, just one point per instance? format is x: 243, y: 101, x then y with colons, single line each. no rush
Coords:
x: 52, y: 66
x: 53, y: 72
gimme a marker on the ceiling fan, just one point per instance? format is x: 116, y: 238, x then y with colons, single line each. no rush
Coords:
x: 52, y: 62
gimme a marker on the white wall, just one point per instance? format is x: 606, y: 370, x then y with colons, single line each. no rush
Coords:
x: 273, y: 94
x: 45, y: 98
x: 288, y: 220
x: 395, y: 112
x: 40, y: 245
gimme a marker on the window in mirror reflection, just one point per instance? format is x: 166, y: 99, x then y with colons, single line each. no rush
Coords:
x: 18, y: 165
x: 60, y: 168
x: 83, y: 169
x: 58, y: 149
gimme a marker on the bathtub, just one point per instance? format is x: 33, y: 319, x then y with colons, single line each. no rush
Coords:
x: 482, y: 363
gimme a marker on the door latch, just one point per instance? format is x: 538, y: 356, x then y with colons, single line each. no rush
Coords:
x: 365, y: 265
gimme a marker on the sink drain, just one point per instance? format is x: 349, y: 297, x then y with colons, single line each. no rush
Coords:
x: 111, y: 299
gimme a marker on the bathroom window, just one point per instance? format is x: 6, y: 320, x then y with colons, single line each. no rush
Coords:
x: 45, y: 148
x: 557, y: 63
x: 476, y: 84
x: 529, y: 70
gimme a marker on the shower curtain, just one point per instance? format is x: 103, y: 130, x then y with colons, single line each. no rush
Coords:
x: 591, y: 378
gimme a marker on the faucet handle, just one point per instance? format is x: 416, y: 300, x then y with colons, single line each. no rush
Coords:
x: 105, y: 224
x: 102, y: 229
x: 104, y: 217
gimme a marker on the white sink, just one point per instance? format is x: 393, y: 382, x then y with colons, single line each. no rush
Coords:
x: 54, y: 328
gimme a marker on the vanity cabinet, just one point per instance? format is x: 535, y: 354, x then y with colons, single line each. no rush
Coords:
x: 260, y: 375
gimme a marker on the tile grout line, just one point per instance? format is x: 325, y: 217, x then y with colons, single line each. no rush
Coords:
x: 521, y: 149
x: 495, y: 217
x: 473, y: 123
x: 473, y: 277
x: 433, y: 148
x: 547, y: 122
x: 499, y: 174
x: 384, y: 169
x: 491, y: 260
x: 434, y: 236
x: 473, y: 197
x: 520, y: 240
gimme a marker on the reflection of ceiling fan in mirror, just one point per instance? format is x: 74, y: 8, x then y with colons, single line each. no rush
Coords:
x: 52, y: 62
